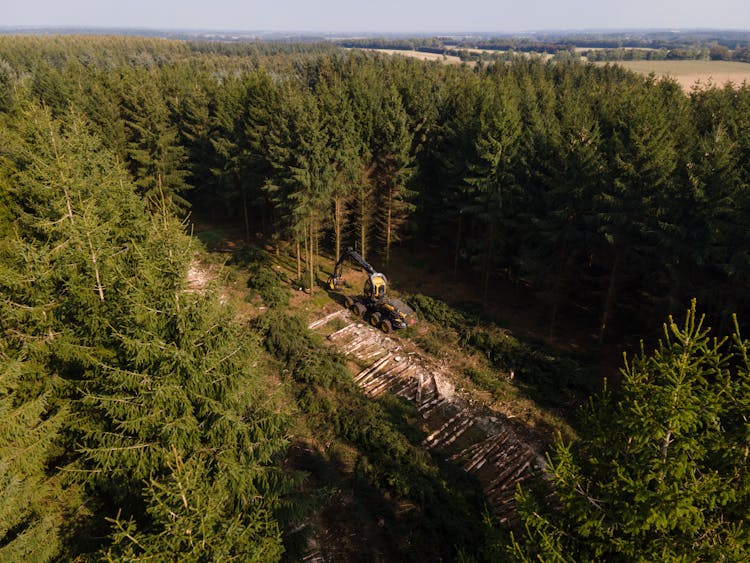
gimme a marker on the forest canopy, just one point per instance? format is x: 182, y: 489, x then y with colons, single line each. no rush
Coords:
x: 134, y: 423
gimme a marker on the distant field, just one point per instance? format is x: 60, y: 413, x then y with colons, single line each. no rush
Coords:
x: 687, y: 73
x: 420, y: 55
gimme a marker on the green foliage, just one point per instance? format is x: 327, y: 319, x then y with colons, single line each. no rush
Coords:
x: 268, y: 285
x: 116, y: 374
x: 590, y: 199
x: 263, y: 278
x: 660, y: 472
x: 552, y: 379
x: 194, y: 515
x: 30, y: 523
x: 438, y: 312
x: 288, y: 340
x: 622, y: 202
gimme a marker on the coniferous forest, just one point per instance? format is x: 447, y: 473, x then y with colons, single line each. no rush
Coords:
x: 144, y: 420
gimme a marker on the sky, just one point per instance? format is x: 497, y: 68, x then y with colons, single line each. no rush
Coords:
x: 398, y: 16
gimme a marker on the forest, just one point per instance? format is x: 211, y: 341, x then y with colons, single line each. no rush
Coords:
x: 144, y: 420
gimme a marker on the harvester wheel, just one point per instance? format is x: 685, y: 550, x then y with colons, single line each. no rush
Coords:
x: 385, y: 326
x: 358, y: 309
x: 375, y: 319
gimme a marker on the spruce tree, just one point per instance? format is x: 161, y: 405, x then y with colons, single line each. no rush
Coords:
x: 392, y: 169
x: 659, y: 472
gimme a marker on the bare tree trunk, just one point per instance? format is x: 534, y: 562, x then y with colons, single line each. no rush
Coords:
x: 299, y: 260
x: 362, y: 226
x: 337, y: 225
x: 488, y: 261
x: 99, y: 286
x: 310, y: 257
x: 458, y: 245
x: 316, y: 255
x: 556, y: 290
x: 245, y: 214
x: 610, y: 296
x: 388, y: 225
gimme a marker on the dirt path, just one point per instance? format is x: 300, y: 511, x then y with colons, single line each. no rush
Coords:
x: 486, y: 444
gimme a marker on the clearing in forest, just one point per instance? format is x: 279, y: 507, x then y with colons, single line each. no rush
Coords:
x: 488, y: 445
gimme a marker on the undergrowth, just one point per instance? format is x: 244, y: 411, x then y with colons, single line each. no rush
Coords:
x: 263, y: 280
x: 548, y: 378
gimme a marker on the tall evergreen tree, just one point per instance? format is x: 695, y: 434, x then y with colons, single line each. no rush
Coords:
x: 156, y: 159
x: 338, y: 118
x: 392, y: 169
x: 641, y: 159
x: 157, y: 377
x: 659, y: 473
x: 490, y: 171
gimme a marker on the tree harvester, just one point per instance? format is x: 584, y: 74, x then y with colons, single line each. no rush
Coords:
x: 374, y: 304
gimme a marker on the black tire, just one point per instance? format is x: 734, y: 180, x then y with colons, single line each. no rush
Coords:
x: 385, y: 326
x: 348, y: 302
x: 358, y: 309
x: 375, y: 319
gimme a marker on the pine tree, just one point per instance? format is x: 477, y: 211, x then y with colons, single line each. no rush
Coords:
x: 659, y: 473
x: 337, y: 114
x: 155, y: 157
x: 491, y: 177
x: 641, y: 159
x: 565, y: 172
x: 153, y: 374
x: 392, y: 169
x: 303, y: 171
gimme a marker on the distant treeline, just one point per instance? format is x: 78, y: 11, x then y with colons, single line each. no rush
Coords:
x: 729, y: 46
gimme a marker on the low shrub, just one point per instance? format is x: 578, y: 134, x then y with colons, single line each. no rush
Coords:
x: 288, y: 340
x: 438, y: 312
x: 267, y: 283
x: 263, y: 280
x: 552, y: 379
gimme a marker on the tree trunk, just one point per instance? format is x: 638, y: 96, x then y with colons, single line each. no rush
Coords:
x: 310, y: 259
x: 337, y: 226
x: 388, y: 225
x: 458, y: 245
x: 362, y: 226
x: 556, y: 290
x: 245, y: 214
x: 316, y: 255
x: 299, y: 261
x: 608, y: 301
x: 488, y: 260
x: 99, y: 286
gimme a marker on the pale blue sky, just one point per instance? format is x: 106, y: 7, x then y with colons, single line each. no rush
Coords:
x: 430, y: 16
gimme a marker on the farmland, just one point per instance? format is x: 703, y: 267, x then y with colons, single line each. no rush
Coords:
x: 421, y: 55
x: 688, y: 73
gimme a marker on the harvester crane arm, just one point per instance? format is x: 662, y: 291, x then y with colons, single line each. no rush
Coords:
x: 349, y: 254
x: 374, y: 305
